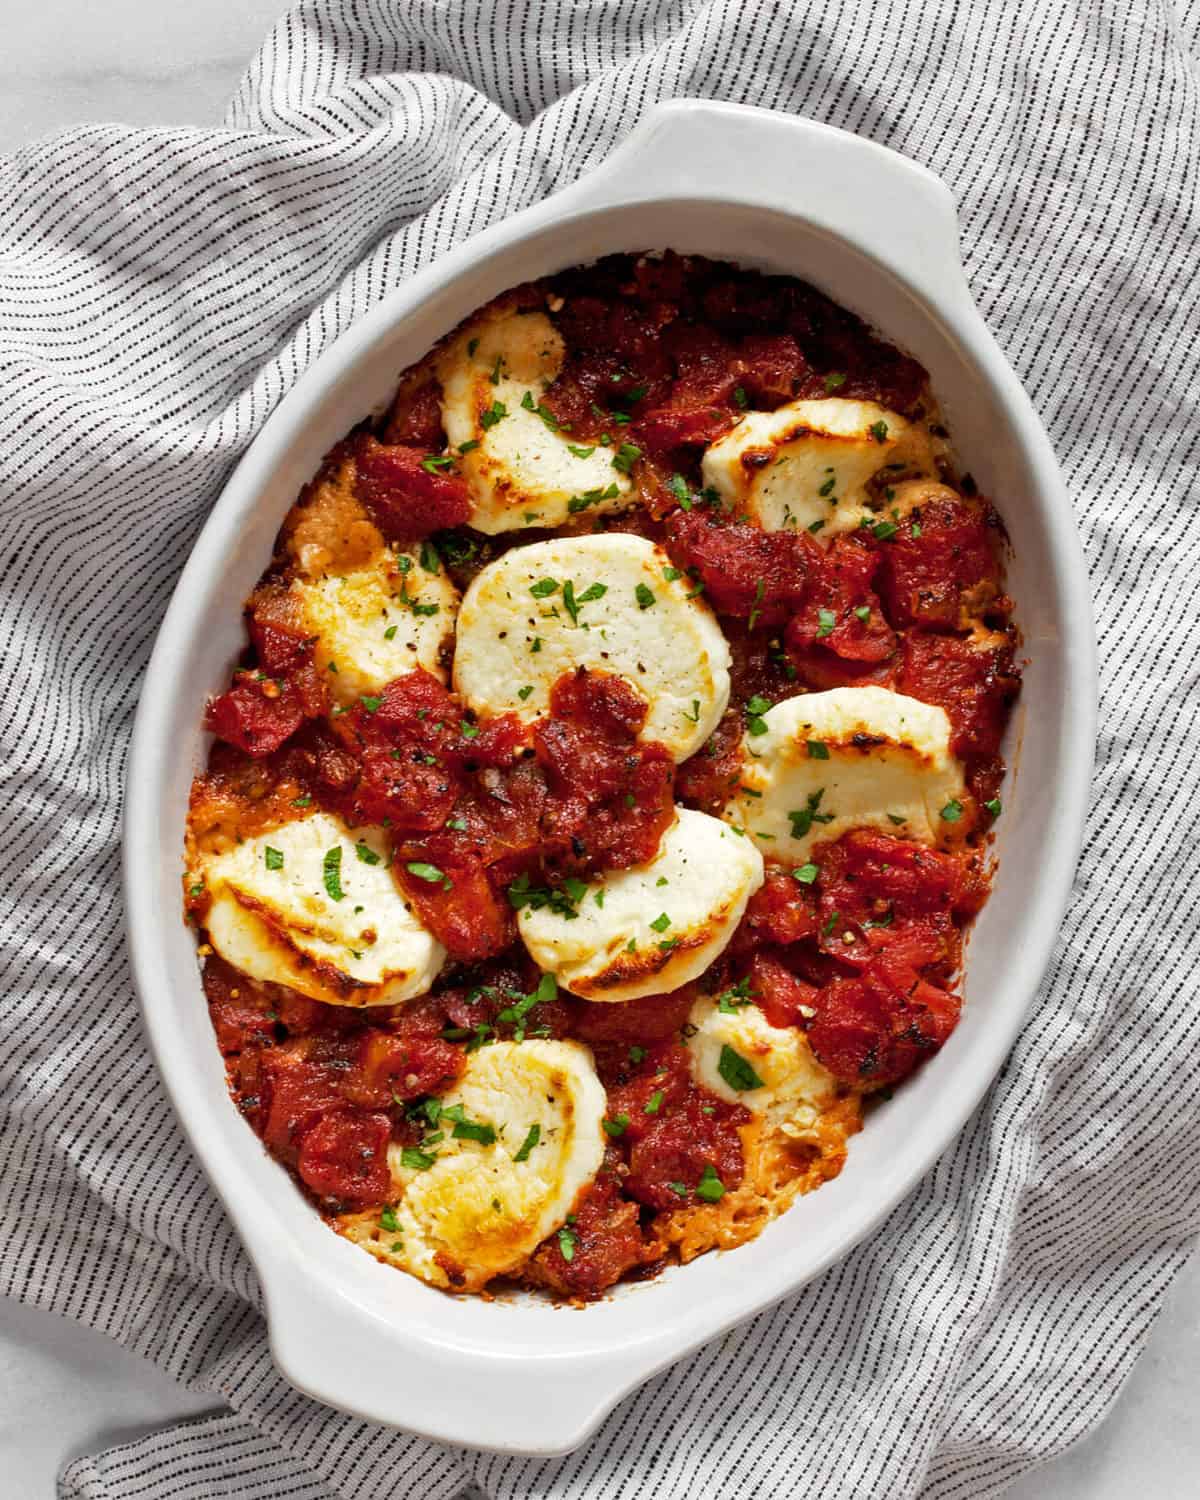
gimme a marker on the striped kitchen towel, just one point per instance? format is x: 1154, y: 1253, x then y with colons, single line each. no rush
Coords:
x: 161, y: 289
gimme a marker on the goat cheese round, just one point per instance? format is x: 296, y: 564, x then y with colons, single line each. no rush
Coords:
x: 315, y: 907
x: 611, y: 602
x: 855, y: 757
x: 649, y: 930
x: 517, y: 1139
x: 521, y: 467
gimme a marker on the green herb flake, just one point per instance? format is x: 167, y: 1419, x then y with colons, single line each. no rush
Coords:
x: 625, y: 457
x: 736, y: 1071
x: 425, y: 871
x: 416, y: 1159
x: 952, y: 811
x: 879, y: 431
x: 834, y: 381
x: 806, y: 874
x: 273, y: 858
x: 304, y: 801
x: 388, y: 1219
x: 661, y: 922
x: 672, y: 574
x: 525, y: 691
x: 543, y: 588
x: 817, y: 750
x: 645, y: 596
x: 826, y: 620
x: 862, y: 612
x: 756, y: 611
x: 472, y: 1130
x: 740, y: 397
x: 617, y: 1126
x: 366, y: 854
x: 710, y: 1188
x: 883, y: 531
x: 390, y: 633
x: 654, y: 1103
x: 566, y: 1244
x: 678, y: 486
x: 495, y: 413
x: 331, y: 869
x: 581, y: 452
x: 994, y: 806
x: 433, y: 462
x: 532, y: 1138
x: 637, y: 1054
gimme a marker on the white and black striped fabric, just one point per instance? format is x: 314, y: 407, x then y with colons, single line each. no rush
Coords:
x: 159, y: 292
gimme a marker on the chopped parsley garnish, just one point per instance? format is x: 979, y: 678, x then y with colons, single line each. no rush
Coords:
x: 458, y: 824
x: 736, y: 1071
x: 566, y: 1244
x: 671, y: 574
x: 710, y: 1187
x: 419, y: 1161
x: 525, y: 691
x: 571, y: 602
x: 469, y: 446
x: 803, y: 818
x: 331, y: 868
x: 879, y: 431
x: 896, y: 819
x: 430, y: 559
x: 760, y: 589
x: 366, y: 854
x: 273, y: 858
x: 514, y: 1015
x: 993, y: 806
x: 532, y: 1138
x: 830, y: 925
x: 371, y: 704
x: 543, y: 588
x: 495, y: 413
x: 661, y: 922
x: 916, y: 531
x: 617, y: 1126
x: 827, y: 489
x: 883, y: 531
x: 679, y: 1188
x: 305, y: 801
x: 625, y: 457
x: 436, y: 461
x: 388, y: 1219
x: 581, y: 452
x: 645, y: 596
x: 826, y: 621
x: 694, y: 716
x: 678, y: 486
x: 755, y: 708
x: 815, y: 526
x: 740, y: 397
x: 654, y: 1103
x: 591, y: 497
x: 497, y: 369
x: 425, y: 871
x: 834, y: 380
x: 817, y: 750
x: 736, y: 998
x: 472, y: 1130
x: 544, y: 412
x: 390, y: 633
x: 952, y: 811
x: 560, y: 899
x: 806, y: 874
x: 637, y: 1054
x: 862, y: 612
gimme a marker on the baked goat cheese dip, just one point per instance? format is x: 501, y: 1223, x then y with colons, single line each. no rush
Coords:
x: 594, y: 818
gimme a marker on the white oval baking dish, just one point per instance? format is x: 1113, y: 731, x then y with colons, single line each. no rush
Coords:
x: 878, y: 234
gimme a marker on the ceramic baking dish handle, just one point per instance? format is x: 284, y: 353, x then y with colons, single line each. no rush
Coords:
x: 885, y: 205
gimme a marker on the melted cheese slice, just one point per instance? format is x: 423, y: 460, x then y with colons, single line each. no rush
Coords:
x: 517, y: 630
x: 808, y: 462
x: 855, y: 757
x: 522, y: 470
x: 793, y: 1088
x: 477, y: 1211
x: 376, y: 623
x: 273, y: 915
x: 649, y: 930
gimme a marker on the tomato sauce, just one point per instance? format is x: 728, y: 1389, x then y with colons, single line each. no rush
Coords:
x: 663, y: 354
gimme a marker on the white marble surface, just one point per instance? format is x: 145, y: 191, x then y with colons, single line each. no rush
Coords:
x: 65, y: 1391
